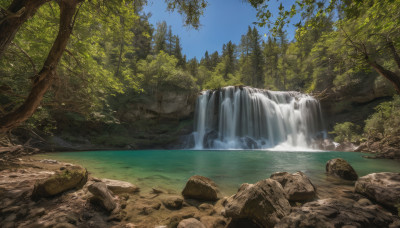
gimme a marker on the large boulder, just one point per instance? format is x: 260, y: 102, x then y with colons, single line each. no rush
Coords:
x: 264, y: 202
x: 297, y: 186
x: 341, y: 168
x: 201, y: 188
x: 119, y: 187
x: 102, y: 196
x: 69, y: 178
x: 341, y: 212
x: 191, y: 223
x: 383, y: 188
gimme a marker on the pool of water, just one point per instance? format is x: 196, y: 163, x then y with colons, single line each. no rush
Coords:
x: 170, y: 169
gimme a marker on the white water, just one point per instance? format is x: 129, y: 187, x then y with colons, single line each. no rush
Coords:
x: 249, y: 118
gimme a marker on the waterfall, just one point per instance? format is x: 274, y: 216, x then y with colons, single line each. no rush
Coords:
x: 249, y: 118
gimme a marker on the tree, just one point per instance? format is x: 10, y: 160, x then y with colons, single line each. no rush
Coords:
x: 178, y: 52
x: 43, y: 80
x: 206, y: 61
x: 19, y: 11
x: 229, y: 59
x: 251, y: 59
x: 257, y: 58
x: 215, y: 59
x: 160, y: 38
x: 369, y: 28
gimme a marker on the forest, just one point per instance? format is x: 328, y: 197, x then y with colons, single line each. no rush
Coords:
x: 115, y: 57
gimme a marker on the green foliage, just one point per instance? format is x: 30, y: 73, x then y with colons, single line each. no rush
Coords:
x: 346, y: 132
x: 160, y: 73
x: 385, y: 120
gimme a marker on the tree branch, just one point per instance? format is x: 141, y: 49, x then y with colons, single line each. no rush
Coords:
x: 394, y: 52
x: 27, y: 55
x: 10, y: 15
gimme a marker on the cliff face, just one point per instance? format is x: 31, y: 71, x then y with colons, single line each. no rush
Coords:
x: 165, y: 105
x: 354, y: 103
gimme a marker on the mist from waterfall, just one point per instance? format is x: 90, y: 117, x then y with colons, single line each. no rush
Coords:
x: 249, y: 118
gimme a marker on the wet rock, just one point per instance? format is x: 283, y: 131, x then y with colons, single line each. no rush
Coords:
x: 345, y: 146
x: 102, y: 196
x: 328, y: 144
x: 264, y: 202
x: 191, y: 223
x: 341, y: 168
x: 201, y: 188
x: 119, y: 187
x: 147, y: 207
x: 49, y: 161
x: 249, y: 143
x: 383, y: 188
x: 342, y: 212
x: 67, y: 179
x: 172, y: 202
x: 209, y: 137
x: 297, y: 186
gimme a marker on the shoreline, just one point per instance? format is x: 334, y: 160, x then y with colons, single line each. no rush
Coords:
x: 139, y: 209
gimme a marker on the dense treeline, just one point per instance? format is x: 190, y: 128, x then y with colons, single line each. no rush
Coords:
x: 113, y: 51
x: 108, y: 53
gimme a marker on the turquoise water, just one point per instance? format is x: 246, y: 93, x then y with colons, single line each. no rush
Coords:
x: 170, y: 169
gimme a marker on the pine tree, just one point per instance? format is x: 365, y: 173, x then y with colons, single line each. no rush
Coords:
x: 160, y: 38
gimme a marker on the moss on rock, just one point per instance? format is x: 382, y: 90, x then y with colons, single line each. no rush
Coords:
x: 66, y: 179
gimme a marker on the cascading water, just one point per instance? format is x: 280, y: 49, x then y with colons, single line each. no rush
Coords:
x: 249, y: 118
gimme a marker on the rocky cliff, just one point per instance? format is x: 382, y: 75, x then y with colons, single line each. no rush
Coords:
x: 354, y: 103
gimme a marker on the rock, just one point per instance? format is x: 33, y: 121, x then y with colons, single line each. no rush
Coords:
x: 213, y: 222
x: 201, y: 188
x: 69, y: 178
x: 346, y: 146
x: 383, y: 188
x: 340, y: 168
x: 209, y: 137
x: 49, y: 161
x: 119, y: 187
x: 37, y: 212
x: 264, y: 202
x: 328, y: 144
x: 146, y: 207
x: 156, y: 191
x: 297, y: 186
x: 190, y: 223
x: 64, y: 225
x: 205, y: 206
x: 248, y: 143
x: 102, y: 196
x: 172, y: 202
x: 364, y: 202
x: 240, y: 223
x: 339, y: 212
x: 184, y: 213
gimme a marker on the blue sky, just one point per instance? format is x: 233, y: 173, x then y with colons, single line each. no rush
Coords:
x: 223, y: 20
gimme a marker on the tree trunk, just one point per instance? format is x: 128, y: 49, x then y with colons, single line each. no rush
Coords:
x: 389, y: 75
x: 16, y: 14
x: 45, y: 77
